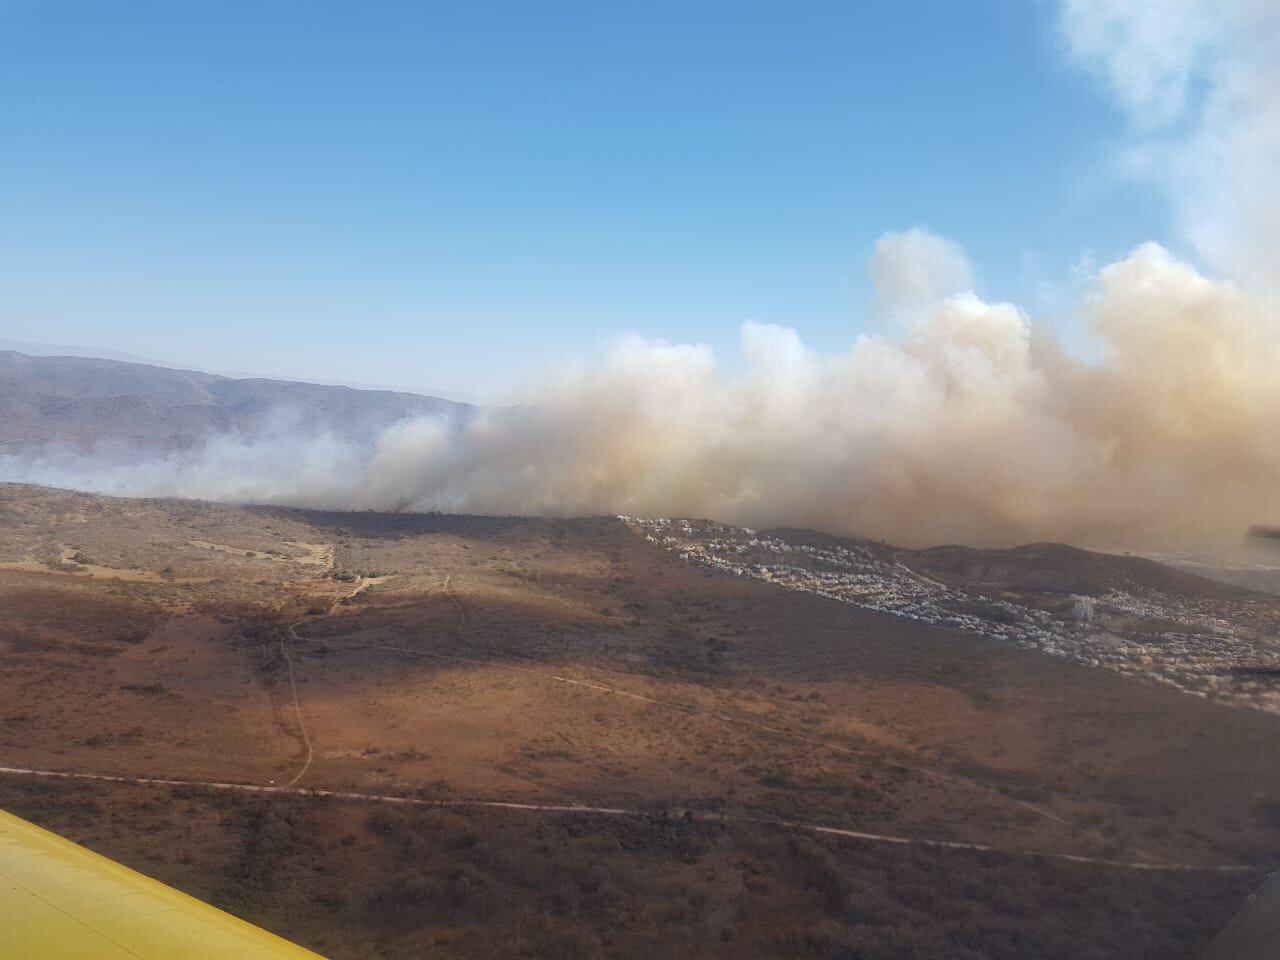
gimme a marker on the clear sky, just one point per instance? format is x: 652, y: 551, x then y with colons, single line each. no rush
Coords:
x: 451, y: 196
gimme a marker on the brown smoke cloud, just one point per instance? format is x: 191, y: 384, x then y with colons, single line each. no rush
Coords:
x: 971, y: 427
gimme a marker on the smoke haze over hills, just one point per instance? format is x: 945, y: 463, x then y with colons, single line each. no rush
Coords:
x: 82, y: 401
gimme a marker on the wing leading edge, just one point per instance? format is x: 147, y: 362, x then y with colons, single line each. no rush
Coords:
x: 60, y: 900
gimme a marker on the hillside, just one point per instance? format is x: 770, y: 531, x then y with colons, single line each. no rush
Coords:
x: 83, y: 400
x: 379, y: 734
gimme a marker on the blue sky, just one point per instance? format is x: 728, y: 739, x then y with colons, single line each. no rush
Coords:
x: 453, y: 196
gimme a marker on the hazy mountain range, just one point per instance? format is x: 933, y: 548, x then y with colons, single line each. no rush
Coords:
x: 82, y: 400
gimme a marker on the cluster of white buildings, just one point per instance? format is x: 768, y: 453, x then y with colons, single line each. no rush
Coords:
x: 1207, y: 657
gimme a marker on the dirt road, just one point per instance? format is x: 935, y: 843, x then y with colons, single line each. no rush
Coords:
x: 673, y: 814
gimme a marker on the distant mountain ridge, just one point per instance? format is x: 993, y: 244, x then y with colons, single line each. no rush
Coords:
x: 83, y: 400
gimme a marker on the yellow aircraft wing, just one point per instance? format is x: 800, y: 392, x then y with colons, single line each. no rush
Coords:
x: 59, y: 900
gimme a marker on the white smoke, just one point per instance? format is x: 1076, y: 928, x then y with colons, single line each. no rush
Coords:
x: 1199, y: 81
x: 914, y: 270
x: 966, y: 423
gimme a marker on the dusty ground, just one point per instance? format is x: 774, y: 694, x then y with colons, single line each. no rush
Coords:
x: 569, y: 662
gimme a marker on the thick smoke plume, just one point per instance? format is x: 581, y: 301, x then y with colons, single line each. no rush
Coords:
x: 969, y: 427
x: 967, y: 423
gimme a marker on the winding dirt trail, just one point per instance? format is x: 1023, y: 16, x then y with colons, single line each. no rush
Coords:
x: 297, y: 706
x: 290, y: 633
x: 674, y: 814
x: 464, y: 613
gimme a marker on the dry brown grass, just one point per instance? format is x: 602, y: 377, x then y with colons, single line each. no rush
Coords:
x: 568, y: 661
